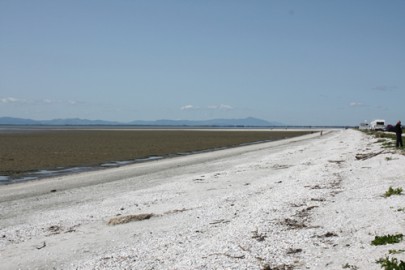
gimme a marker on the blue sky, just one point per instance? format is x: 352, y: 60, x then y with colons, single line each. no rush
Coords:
x: 296, y: 62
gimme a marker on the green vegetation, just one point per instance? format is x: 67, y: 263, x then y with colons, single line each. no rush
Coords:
x: 396, y: 251
x: 392, y: 191
x: 387, y: 139
x: 391, y: 264
x: 388, y: 144
x: 384, y: 135
x: 387, y: 239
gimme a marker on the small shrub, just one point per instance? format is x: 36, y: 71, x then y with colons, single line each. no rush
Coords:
x: 387, y: 239
x: 392, y: 191
x: 391, y: 264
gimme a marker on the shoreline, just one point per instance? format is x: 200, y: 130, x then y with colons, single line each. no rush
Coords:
x: 105, y: 175
x: 306, y: 204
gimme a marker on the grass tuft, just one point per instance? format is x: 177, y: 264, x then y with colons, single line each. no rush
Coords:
x: 396, y: 251
x: 391, y: 264
x: 387, y: 239
x: 392, y: 191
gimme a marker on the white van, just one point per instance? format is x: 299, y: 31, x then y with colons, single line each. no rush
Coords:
x: 377, y: 124
x: 364, y: 126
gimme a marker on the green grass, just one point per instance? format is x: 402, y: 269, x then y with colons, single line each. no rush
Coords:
x: 388, y: 144
x: 396, y: 251
x: 393, y: 191
x: 386, y: 139
x: 387, y: 239
x: 391, y: 264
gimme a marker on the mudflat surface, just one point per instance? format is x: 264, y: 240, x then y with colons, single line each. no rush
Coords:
x: 31, y: 150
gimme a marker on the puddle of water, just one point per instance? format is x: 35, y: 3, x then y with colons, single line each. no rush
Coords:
x: 148, y: 159
x: 4, y: 178
x: 127, y: 162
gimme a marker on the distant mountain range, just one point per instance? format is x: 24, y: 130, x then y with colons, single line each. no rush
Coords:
x: 245, y: 122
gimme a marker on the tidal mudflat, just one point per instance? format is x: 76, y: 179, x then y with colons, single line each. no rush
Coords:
x: 42, y: 151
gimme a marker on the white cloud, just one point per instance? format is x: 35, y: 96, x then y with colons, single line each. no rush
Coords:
x: 356, y: 104
x: 220, y: 107
x: 10, y: 100
x: 223, y: 107
x: 47, y: 101
x: 13, y: 100
x: 188, y: 107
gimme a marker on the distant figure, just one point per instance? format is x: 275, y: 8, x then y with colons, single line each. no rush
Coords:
x: 321, y: 132
x: 398, y: 131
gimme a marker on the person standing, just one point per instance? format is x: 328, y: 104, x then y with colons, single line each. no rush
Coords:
x: 398, y: 131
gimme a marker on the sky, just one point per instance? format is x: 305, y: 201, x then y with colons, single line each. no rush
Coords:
x: 312, y: 62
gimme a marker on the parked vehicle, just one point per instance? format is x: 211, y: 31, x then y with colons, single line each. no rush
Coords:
x: 377, y: 124
x: 364, y: 126
x: 390, y: 128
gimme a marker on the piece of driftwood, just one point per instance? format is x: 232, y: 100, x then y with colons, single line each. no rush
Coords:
x: 42, y: 245
x: 129, y: 218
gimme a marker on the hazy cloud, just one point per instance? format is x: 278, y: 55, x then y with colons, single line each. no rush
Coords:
x: 188, y: 107
x: 223, y: 107
x: 385, y: 88
x: 75, y: 102
x: 11, y: 100
x: 47, y: 101
x: 355, y: 104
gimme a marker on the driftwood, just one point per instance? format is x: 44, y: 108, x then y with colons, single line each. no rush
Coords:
x: 41, y: 246
x: 219, y: 221
x: 129, y: 218
x: 367, y: 155
x: 228, y: 255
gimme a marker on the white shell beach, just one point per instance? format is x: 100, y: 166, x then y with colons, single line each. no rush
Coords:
x: 299, y: 203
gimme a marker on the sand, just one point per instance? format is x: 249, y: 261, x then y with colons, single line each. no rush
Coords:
x: 301, y: 203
